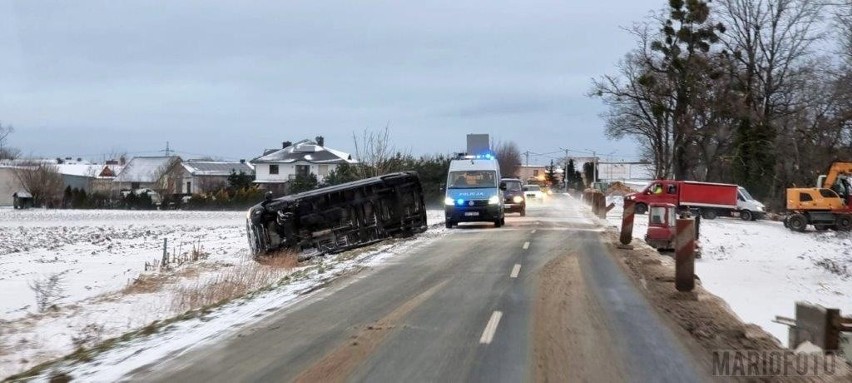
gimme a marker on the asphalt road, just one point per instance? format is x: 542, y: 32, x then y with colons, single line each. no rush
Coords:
x: 537, y: 300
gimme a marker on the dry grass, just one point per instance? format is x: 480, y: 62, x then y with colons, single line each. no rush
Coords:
x: 232, y: 282
x: 146, y: 283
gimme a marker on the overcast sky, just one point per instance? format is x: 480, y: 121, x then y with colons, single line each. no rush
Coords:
x: 228, y: 79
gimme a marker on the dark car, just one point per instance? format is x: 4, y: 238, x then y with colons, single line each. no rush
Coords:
x: 513, y: 197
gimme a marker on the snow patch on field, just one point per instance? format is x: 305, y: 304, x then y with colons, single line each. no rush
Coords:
x: 98, y: 253
x: 761, y: 268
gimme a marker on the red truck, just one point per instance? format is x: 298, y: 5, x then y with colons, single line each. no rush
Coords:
x: 713, y: 199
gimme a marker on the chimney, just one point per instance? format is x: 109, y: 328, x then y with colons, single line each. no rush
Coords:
x: 320, y: 140
x: 286, y: 144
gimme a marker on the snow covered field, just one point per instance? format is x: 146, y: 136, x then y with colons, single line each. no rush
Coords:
x: 96, y: 256
x: 761, y: 268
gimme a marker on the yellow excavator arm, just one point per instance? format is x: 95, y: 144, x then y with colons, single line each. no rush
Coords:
x: 835, y: 171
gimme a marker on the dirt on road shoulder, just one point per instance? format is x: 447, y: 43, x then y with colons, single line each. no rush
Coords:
x: 702, y: 316
x: 570, y: 335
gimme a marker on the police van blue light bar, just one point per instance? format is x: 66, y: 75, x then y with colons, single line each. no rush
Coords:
x: 486, y: 156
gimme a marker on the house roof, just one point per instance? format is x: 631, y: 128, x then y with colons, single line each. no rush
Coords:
x: 305, y: 151
x: 88, y: 170
x: 216, y: 168
x: 145, y: 169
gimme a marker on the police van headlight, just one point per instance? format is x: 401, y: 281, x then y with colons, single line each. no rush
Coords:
x: 449, y: 201
x: 494, y: 200
x: 518, y: 199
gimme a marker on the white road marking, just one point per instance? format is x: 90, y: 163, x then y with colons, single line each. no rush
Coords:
x: 526, y: 245
x: 515, y: 271
x: 532, y: 232
x: 491, y: 328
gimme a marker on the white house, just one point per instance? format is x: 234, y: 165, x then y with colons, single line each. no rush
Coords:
x: 148, y: 172
x: 207, y: 176
x: 277, y: 167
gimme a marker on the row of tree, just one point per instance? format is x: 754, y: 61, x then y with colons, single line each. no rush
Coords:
x: 743, y: 91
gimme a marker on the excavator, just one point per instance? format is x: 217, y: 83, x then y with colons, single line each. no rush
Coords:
x: 826, y: 206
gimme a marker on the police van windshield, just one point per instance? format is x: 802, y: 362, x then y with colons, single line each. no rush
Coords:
x: 473, y: 179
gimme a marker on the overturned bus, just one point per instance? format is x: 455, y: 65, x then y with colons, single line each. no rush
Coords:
x: 340, y: 217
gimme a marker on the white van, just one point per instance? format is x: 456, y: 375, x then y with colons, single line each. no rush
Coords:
x: 474, y: 191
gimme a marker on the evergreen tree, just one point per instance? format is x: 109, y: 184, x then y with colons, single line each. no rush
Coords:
x: 687, y: 37
x: 240, y: 181
x: 67, y: 196
x: 589, y: 172
x: 304, y: 183
x: 342, y: 174
x: 550, y: 176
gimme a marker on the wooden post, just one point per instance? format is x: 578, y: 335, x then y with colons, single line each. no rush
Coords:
x: 685, y: 254
x: 627, y: 221
x: 165, y: 253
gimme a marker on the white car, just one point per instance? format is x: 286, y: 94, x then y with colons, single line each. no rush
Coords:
x: 533, y: 193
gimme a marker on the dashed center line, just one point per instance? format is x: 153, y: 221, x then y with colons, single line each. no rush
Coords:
x: 515, y: 271
x: 491, y: 328
x: 532, y: 232
x: 526, y: 245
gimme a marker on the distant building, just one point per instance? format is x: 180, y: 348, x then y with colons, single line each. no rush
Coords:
x: 625, y: 171
x: 88, y: 177
x: 9, y: 184
x: 155, y: 173
x: 276, y: 168
x: 532, y: 174
x: 201, y: 176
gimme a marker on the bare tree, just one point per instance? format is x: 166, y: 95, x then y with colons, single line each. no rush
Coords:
x: 42, y: 181
x: 509, y: 157
x: 637, y: 105
x: 375, y: 152
x: 169, y: 176
x: 770, y: 41
x: 6, y: 152
x: 118, y: 155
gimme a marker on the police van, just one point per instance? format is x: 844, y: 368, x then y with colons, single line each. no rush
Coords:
x: 474, y: 192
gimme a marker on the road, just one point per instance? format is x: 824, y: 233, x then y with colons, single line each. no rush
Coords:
x: 537, y: 300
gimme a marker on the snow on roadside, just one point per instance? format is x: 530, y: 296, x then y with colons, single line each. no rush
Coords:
x: 183, y: 336
x: 761, y: 268
x: 98, y: 253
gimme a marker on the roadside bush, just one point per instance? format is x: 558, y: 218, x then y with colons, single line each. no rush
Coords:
x: 225, y: 199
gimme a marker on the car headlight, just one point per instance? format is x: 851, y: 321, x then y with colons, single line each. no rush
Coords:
x: 518, y: 199
x: 494, y: 200
x: 449, y: 201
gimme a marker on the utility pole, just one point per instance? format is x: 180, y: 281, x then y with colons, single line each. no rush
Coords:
x: 527, y: 155
x: 565, y: 172
x: 168, y: 151
x: 595, y: 168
